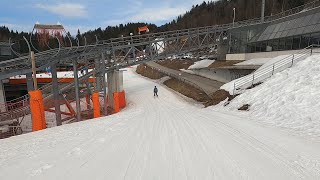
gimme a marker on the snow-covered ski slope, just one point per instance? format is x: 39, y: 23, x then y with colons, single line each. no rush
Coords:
x: 160, y: 138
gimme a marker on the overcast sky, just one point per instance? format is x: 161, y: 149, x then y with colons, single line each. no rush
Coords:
x: 89, y: 14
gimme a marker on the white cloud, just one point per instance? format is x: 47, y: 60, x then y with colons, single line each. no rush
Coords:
x: 158, y: 14
x: 65, y: 9
x: 73, y: 29
x: 18, y: 27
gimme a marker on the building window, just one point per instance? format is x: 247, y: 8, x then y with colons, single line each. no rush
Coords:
x: 5, y: 51
x: 288, y: 43
x: 264, y: 46
x: 305, y: 41
x: 296, y: 42
x: 282, y: 44
x: 258, y: 47
x: 314, y: 39
x: 274, y: 44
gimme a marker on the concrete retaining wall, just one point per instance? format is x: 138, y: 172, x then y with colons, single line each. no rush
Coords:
x: 248, y: 56
x: 221, y: 75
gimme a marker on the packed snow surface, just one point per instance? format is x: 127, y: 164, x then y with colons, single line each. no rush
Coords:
x: 201, y: 64
x: 160, y: 138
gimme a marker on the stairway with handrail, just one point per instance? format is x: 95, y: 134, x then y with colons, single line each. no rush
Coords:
x: 262, y: 74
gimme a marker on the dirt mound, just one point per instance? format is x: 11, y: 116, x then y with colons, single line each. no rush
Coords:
x: 188, y: 91
x: 244, y: 107
x: 149, y: 72
x: 185, y: 88
x: 219, y: 96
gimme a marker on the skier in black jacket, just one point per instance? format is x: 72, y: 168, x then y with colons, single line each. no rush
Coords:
x: 155, y: 91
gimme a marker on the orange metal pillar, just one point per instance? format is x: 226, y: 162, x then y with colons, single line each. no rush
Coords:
x: 96, y: 105
x: 37, y: 110
x: 116, y: 102
x: 122, y: 99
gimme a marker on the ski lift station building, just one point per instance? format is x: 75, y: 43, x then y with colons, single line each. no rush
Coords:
x: 276, y: 37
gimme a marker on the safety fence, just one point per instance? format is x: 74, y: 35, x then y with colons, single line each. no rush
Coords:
x: 262, y: 74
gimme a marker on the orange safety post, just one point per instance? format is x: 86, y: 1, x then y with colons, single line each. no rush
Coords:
x: 37, y: 110
x: 116, y: 102
x: 96, y: 105
x: 122, y: 99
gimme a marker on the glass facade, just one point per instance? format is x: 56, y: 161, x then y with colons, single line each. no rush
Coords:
x: 5, y: 51
x: 292, y: 34
x: 302, y: 25
x: 281, y: 44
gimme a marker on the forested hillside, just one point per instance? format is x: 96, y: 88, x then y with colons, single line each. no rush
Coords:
x: 221, y: 12
x: 207, y: 13
x: 115, y: 31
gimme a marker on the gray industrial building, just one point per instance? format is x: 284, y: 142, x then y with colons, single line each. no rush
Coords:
x: 293, y: 32
x: 5, y: 51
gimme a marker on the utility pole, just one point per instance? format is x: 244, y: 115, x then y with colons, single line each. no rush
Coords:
x: 234, y: 16
x: 263, y: 5
x: 34, y: 73
x: 76, y: 85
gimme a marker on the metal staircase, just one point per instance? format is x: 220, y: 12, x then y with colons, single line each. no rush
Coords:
x: 261, y: 75
x: 18, y: 108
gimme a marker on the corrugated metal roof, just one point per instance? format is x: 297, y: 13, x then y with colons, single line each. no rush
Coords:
x: 294, y: 27
x: 48, y: 26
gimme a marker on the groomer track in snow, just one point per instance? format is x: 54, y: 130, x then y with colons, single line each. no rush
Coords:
x: 162, y: 138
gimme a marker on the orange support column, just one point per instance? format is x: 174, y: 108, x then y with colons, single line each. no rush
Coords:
x: 37, y: 110
x: 116, y: 102
x: 122, y: 99
x: 96, y: 105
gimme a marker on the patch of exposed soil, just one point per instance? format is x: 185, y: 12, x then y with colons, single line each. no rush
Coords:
x: 219, y: 96
x: 244, y: 107
x: 254, y: 85
x: 185, y: 88
x: 188, y: 91
x: 176, y: 64
x: 219, y: 63
x: 149, y: 72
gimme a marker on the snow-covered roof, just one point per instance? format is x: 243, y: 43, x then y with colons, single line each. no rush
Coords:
x: 201, y: 64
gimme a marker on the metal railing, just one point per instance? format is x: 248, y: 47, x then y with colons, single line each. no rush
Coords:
x: 262, y: 74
